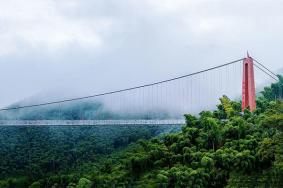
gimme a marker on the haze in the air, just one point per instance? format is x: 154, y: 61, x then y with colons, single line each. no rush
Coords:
x: 72, y: 48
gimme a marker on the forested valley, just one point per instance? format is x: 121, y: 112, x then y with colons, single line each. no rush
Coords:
x: 220, y: 148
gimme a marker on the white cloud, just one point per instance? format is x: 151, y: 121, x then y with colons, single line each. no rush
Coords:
x: 81, y: 42
x: 41, y: 24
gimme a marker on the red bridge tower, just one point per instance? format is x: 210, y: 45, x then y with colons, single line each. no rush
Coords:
x: 248, y: 86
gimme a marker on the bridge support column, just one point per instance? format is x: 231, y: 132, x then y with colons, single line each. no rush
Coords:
x: 248, y: 85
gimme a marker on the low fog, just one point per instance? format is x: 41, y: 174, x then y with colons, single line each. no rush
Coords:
x: 51, y: 50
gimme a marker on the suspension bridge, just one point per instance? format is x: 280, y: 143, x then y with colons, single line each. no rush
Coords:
x: 158, y: 103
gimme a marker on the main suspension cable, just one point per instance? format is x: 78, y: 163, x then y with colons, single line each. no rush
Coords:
x: 121, y: 90
x: 265, y: 72
x: 265, y: 68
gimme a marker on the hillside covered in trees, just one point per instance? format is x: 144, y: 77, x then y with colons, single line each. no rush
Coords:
x: 78, y: 110
x: 220, y: 148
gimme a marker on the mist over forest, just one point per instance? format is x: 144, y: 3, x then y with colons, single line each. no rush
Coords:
x: 221, y: 148
x: 178, y: 94
x: 86, y: 110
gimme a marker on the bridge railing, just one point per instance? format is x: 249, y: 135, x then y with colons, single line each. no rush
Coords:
x: 90, y: 122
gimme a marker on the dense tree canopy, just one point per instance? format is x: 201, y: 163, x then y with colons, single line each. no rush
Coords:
x: 222, y: 148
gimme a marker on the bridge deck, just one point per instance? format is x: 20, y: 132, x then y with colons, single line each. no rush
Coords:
x: 90, y: 122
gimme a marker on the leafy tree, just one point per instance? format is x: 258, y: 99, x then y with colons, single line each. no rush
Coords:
x: 84, y: 183
x: 223, y: 148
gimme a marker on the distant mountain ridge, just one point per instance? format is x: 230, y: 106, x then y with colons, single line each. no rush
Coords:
x: 79, y: 110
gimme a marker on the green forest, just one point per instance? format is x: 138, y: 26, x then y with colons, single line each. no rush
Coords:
x: 221, y: 148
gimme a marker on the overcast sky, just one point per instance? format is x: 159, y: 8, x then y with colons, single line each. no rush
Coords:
x: 77, y: 47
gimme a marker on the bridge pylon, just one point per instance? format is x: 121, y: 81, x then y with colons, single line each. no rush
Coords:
x: 248, y: 84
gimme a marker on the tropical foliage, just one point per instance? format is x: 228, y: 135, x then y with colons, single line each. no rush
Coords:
x: 222, y: 148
